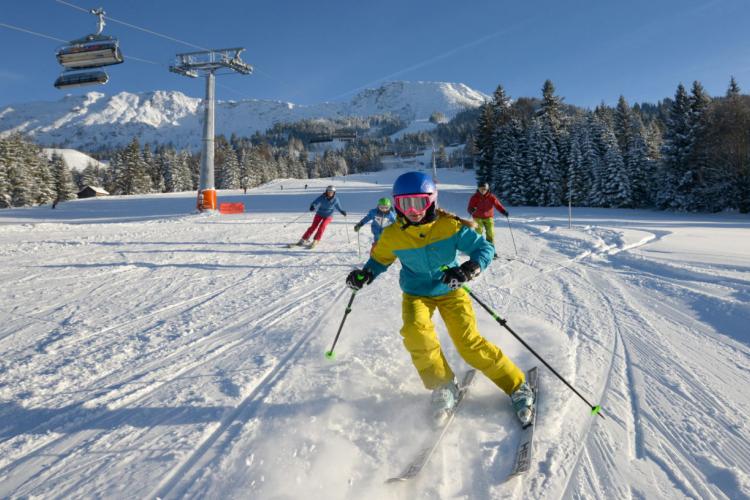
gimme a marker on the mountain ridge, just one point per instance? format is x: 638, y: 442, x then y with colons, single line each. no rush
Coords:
x: 88, y: 121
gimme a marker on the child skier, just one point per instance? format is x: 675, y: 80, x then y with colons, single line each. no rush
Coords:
x: 425, y: 239
x: 382, y: 216
x: 482, y: 206
x: 323, y: 207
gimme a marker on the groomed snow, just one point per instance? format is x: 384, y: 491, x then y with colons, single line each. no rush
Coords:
x: 152, y: 352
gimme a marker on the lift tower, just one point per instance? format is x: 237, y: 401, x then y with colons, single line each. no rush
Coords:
x: 192, y: 64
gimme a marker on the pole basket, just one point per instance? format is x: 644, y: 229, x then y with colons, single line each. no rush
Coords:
x: 206, y: 200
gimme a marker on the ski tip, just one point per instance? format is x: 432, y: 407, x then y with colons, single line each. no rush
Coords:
x: 596, y: 410
x: 330, y: 355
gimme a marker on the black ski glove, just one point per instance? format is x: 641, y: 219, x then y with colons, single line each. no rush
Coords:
x: 312, y: 208
x: 343, y: 212
x: 454, y: 277
x: 472, y: 210
x: 359, y: 278
x: 506, y: 213
x: 357, y: 227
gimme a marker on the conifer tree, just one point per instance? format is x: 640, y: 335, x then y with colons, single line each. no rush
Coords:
x: 514, y: 169
x: 63, y: 181
x: 577, y: 177
x: 132, y: 176
x: 90, y: 176
x: 617, y: 191
x: 21, y: 193
x: 153, y: 169
x: 5, y: 188
x: 550, y: 109
x: 534, y: 158
x: 676, y: 150
x: 485, y: 144
x: 550, y: 175
x: 623, y: 117
x: 38, y: 168
x: 230, y: 170
x: 734, y: 88
x: 637, y: 163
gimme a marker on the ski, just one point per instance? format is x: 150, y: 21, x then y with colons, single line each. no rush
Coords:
x: 432, y: 442
x: 522, y: 461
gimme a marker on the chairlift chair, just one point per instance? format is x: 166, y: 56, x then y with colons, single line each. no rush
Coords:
x: 81, y: 79
x: 90, y: 52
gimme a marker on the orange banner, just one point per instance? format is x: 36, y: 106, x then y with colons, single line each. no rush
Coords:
x: 231, y: 208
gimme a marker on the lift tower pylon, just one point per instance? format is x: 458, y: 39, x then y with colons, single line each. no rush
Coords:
x: 193, y: 64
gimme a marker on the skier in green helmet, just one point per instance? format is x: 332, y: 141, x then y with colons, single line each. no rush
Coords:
x: 381, y: 216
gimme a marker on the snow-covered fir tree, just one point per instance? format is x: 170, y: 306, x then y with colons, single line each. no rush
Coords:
x: 532, y: 182
x: 615, y: 182
x: 230, y: 170
x: 484, y: 144
x: 64, y: 189
x: 691, y: 188
x: 640, y: 169
x: 578, y: 177
x: 675, y: 151
x: 131, y: 174
x: 5, y: 188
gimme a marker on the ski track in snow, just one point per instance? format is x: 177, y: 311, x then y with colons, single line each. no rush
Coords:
x: 183, y: 357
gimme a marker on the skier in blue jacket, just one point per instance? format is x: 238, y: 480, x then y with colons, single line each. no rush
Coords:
x: 382, y: 216
x: 427, y: 240
x: 323, y: 206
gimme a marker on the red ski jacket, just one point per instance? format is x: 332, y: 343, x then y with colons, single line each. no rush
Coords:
x: 481, y: 205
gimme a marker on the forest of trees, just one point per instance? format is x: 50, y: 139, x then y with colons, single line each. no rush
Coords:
x: 689, y: 153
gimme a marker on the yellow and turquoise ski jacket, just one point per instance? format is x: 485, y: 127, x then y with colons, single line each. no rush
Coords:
x: 424, y: 249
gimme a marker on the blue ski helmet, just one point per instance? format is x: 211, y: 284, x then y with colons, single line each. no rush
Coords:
x: 414, y: 183
x: 415, y: 192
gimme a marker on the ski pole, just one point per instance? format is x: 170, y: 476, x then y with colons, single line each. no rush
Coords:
x: 511, y: 235
x: 595, y: 409
x: 359, y: 247
x: 330, y: 354
x: 295, y: 220
x: 348, y: 238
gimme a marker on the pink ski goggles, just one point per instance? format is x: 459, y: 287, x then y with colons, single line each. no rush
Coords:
x: 417, y: 204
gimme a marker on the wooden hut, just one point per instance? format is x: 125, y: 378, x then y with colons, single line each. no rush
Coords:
x: 92, y: 192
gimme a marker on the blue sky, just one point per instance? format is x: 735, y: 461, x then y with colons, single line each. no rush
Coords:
x: 307, y: 52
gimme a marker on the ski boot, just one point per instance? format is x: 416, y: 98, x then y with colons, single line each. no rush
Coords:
x: 301, y: 243
x: 523, y: 403
x: 443, y: 400
x: 312, y: 244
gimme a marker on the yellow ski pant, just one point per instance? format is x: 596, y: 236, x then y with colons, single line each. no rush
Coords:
x: 421, y: 340
x: 488, y: 224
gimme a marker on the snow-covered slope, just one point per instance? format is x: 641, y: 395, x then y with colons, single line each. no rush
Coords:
x: 90, y: 120
x: 149, y: 352
x: 75, y: 160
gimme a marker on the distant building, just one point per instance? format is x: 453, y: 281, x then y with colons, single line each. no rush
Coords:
x: 92, y: 192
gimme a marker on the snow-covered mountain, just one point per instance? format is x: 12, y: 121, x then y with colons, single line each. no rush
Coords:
x: 87, y: 121
x: 74, y: 159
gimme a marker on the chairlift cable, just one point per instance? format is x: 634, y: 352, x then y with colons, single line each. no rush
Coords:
x: 167, y: 37
x: 18, y: 28
x: 54, y: 38
x: 129, y: 25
